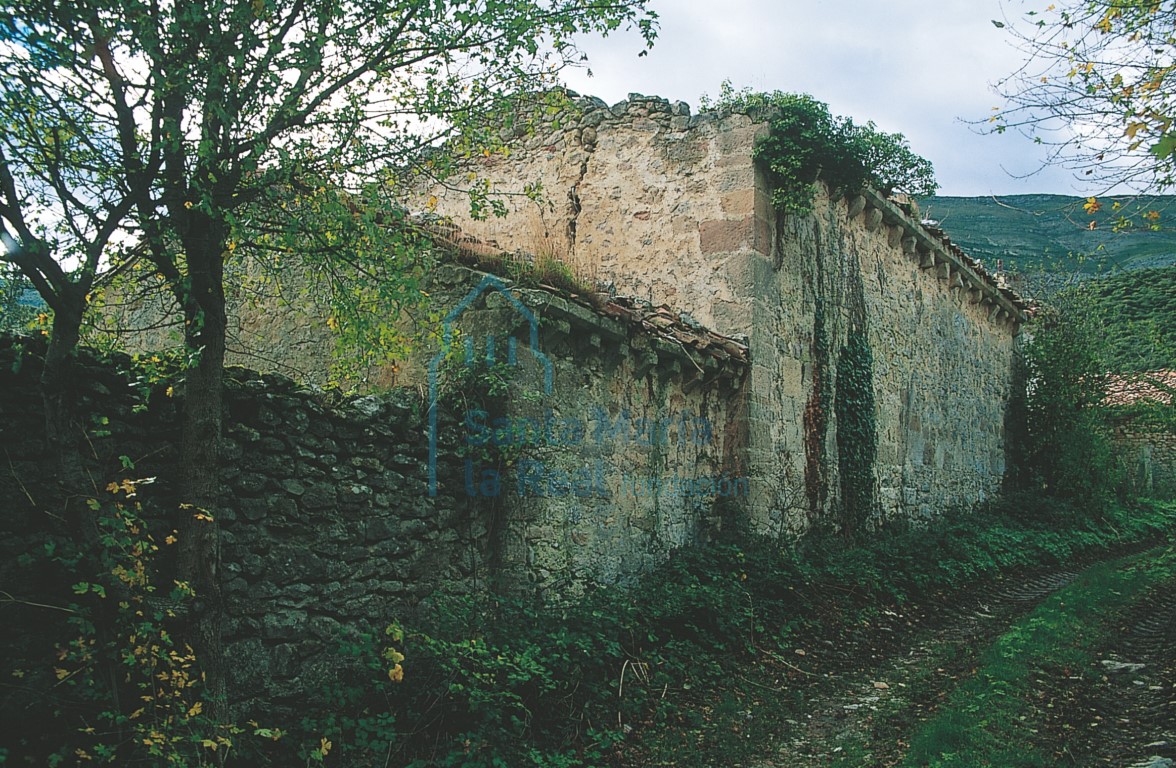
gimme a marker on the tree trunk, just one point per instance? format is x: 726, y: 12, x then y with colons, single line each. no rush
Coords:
x: 59, y: 393
x: 199, y: 562
x: 63, y: 437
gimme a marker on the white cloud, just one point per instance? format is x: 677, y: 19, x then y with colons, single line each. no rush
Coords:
x: 910, y: 66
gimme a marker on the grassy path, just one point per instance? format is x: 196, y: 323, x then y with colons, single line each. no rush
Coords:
x: 1005, y: 714
x: 844, y: 656
x: 1040, y: 670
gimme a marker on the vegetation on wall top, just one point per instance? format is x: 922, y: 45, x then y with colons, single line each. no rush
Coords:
x: 807, y: 142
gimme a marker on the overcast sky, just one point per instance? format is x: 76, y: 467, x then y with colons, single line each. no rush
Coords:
x: 914, y: 67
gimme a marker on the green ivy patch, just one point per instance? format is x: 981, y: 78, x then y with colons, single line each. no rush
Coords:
x: 857, y: 428
x: 806, y: 142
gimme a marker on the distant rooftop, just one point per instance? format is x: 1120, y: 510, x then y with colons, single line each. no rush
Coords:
x: 1153, y: 387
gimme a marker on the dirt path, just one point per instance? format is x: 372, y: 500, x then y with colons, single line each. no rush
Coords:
x: 1126, y: 714
x: 871, y: 691
x: 866, y: 693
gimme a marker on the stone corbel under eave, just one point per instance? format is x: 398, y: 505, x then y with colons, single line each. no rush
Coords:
x: 918, y: 243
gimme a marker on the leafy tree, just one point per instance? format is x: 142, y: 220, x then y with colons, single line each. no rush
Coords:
x: 1068, y: 451
x: 176, y: 133
x: 1098, y: 88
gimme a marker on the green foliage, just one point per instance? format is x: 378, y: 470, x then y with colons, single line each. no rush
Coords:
x: 178, y: 134
x: 857, y: 428
x: 126, y: 691
x: 352, y: 719
x: 653, y: 674
x: 806, y: 143
x: 468, y: 388
x: 310, y: 123
x: 352, y: 254
x: 650, y: 673
x: 1068, y: 450
x: 816, y: 412
x: 19, y: 304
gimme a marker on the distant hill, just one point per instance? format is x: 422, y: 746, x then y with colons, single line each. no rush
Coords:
x: 1029, y: 233
x: 1130, y: 275
x: 1136, y: 312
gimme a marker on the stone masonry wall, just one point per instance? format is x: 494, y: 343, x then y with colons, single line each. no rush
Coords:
x: 657, y: 203
x: 326, y: 526
x: 655, y: 417
x: 328, y: 520
x: 942, y: 371
x: 1149, y: 458
x: 615, y: 463
x: 660, y: 204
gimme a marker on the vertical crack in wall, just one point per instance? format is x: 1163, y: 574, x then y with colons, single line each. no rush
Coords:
x: 587, y: 138
x: 574, y: 207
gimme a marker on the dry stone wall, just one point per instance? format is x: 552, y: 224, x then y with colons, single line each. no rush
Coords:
x: 1148, y: 456
x: 330, y: 520
x: 326, y: 526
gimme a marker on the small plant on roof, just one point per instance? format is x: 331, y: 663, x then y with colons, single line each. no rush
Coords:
x: 806, y: 142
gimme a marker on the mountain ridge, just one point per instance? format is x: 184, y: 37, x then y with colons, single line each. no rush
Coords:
x: 1052, y: 233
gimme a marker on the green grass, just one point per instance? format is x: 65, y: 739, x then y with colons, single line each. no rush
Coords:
x: 718, y: 627
x: 990, y: 720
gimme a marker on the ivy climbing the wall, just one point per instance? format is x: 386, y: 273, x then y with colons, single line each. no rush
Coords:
x: 806, y: 142
x: 816, y: 415
x: 857, y: 428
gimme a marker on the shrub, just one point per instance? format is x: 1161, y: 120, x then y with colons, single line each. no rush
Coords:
x: 806, y: 143
x: 1068, y: 452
